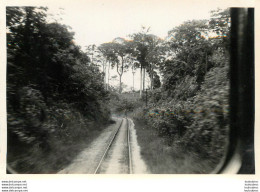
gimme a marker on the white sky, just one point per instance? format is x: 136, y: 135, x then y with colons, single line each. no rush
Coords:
x: 96, y: 22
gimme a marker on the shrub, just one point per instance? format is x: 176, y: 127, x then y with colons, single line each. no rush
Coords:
x: 199, y: 123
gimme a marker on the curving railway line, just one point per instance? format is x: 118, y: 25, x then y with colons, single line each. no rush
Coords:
x: 117, y: 158
x: 114, y: 151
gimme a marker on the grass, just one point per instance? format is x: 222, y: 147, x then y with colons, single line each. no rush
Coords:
x: 32, y: 159
x: 162, y: 158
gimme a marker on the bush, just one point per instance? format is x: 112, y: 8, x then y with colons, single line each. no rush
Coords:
x: 55, y: 96
x: 26, y: 120
x: 200, y: 123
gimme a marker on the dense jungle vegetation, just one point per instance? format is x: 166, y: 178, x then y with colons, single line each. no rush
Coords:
x: 55, y: 96
x: 189, y: 112
x: 59, y: 96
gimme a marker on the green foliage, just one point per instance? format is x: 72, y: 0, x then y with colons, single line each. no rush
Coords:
x: 220, y: 24
x: 124, y: 102
x: 211, y: 120
x: 117, y: 52
x: 190, y: 110
x: 27, y: 121
x: 51, y: 84
x: 148, y: 51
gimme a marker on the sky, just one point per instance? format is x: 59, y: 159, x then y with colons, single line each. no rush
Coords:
x: 96, y: 22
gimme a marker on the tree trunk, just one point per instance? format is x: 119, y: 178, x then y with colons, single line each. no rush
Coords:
x: 151, y: 76
x: 141, y: 74
x: 144, y: 80
x: 151, y: 81
x: 108, y: 75
x: 120, y: 84
x: 133, y: 81
x: 104, y: 71
x: 206, y: 68
x: 120, y: 73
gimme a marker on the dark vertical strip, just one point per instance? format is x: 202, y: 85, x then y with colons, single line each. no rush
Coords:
x: 241, y: 90
x: 247, y: 94
x: 234, y: 96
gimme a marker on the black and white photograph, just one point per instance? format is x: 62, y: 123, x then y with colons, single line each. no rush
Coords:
x: 130, y: 87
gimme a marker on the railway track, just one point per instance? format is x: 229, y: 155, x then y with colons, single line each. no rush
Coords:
x: 112, y: 144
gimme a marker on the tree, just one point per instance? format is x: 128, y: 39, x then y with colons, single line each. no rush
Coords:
x: 117, y: 52
x: 133, y: 72
x: 91, y: 52
x: 144, y: 45
x: 46, y: 69
x: 191, y: 49
x: 155, y: 58
x: 108, y: 56
x: 220, y: 24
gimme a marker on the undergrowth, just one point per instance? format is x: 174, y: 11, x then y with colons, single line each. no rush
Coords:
x: 47, y: 145
x: 164, y: 158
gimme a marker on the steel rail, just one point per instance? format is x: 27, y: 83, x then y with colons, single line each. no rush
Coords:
x: 108, y: 147
x: 129, y: 148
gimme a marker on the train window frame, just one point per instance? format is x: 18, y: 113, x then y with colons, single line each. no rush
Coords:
x: 240, y: 156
